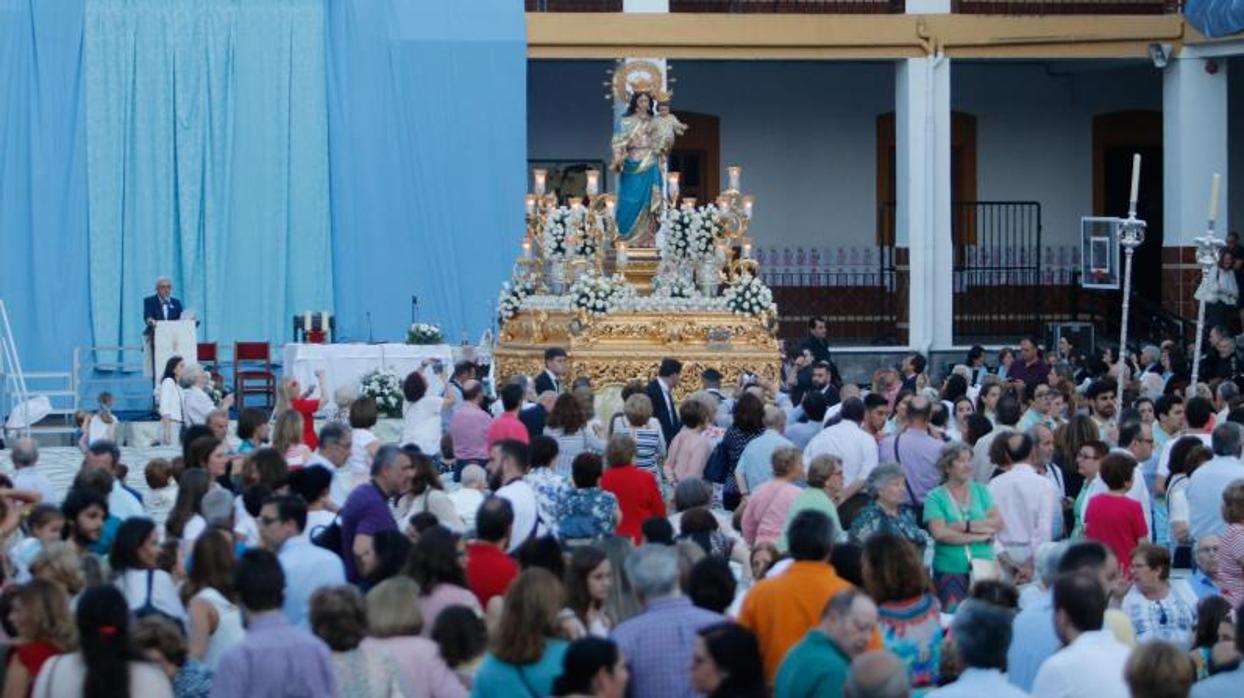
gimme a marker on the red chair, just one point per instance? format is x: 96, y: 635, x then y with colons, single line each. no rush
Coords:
x: 252, y: 373
x: 209, y: 358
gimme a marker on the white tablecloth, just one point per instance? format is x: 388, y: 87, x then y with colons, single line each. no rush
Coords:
x: 344, y: 364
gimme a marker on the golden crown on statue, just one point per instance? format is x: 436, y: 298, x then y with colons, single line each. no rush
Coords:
x: 637, y: 75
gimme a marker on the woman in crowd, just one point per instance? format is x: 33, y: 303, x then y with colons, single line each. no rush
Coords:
x: 197, y: 403
x: 164, y: 646
x: 184, y: 521
x: 962, y: 520
x: 148, y: 590
x: 638, y: 495
x: 1069, y: 438
x: 101, y: 426
x: 888, y: 511
x: 421, y: 413
x: 589, y: 577
x: 1213, y: 628
x: 695, y: 493
x: 394, y: 625
x: 587, y: 511
x: 1231, y: 547
x: 825, y: 485
x: 107, y: 663
x: 768, y: 507
x: 386, y: 556
x: 39, y: 613
x: 545, y: 480
x: 287, y: 439
x: 567, y: 424
x: 427, y: 494
x: 1158, y: 670
x: 960, y: 415
x: 726, y: 663
x: 691, y: 446
x: 1187, y: 454
x: 987, y: 399
x: 1158, y: 610
x: 749, y: 423
x: 461, y: 637
x: 593, y: 667
x: 617, y: 422
x: 525, y: 654
x: 1088, y: 466
x: 650, y: 447
x: 909, y: 615
x: 211, y: 455
x: 59, y: 563
x: 170, y: 399
x: 291, y: 396
x: 314, y: 485
x: 339, y: 618
x: 253, y: 429
x: 363, y: 442
x: 436, y: 564
x: 215, y: 620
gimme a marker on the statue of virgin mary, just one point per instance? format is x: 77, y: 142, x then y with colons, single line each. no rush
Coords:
x: 636, y: 159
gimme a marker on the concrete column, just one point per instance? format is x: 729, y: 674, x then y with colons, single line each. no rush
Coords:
x: 646, y: 5
x: 922, y: 148
x: 1194, y: 147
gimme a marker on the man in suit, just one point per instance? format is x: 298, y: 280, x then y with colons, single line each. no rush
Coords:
x: 554, y: 369
x: 661, y: 392
x: 161, y: 306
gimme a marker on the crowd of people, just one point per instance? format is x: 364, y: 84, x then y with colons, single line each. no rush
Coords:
x: 1005, y: 532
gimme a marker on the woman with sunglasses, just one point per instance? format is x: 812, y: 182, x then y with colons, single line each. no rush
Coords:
x: 1159, y: 610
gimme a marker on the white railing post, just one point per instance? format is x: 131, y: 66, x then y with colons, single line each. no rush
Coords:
x: 12, y: 366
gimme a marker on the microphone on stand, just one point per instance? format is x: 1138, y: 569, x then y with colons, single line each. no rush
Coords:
x: 370, y: 338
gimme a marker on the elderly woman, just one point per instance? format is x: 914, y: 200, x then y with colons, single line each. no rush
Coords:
x: 764, y: 518
x: 962, y: 519
x: 1157, y: 610
x: 586, y: 512
x: 825, y: 486
x: 197, y: 404
x: 691, y: 446
x: 888, y: 511
x: 339, y: 618
x: 1231, y: 546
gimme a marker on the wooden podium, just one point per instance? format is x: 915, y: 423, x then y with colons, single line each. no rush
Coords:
x: 172, y: 338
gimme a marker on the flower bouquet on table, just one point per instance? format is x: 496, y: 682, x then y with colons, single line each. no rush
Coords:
x: 513, y: 293
x: 385, y: 388
x: 599, y: 295
x: 749, y: 296
x: 424, y: 333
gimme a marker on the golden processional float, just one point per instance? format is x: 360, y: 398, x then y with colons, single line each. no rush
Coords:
x: 622, y: 280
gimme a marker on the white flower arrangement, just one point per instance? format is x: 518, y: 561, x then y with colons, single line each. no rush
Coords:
x: 692, y: 234
x: 748, y: 296
x: 513, y: 293
x: 599, y: 295
x: 557, y: 227
x: 424, y: 333
x: 385, y: 388
x: 711, y: 231
x: 674, y: 286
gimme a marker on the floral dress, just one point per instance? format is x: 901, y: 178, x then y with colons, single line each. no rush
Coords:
x: 912, y: 630
x: 873, y: 519
x: 550, y: 488
x: 588, y: 512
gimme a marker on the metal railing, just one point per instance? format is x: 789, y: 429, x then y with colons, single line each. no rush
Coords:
x: 1065, y: 7
x: 574, y: 5
x: 791, y: 6
x: 976, y: 7
x: 14, y: 381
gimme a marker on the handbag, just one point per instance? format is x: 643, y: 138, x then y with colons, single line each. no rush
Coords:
x: 981, y: 570
x: 149, y: 609
x: 715, y: 468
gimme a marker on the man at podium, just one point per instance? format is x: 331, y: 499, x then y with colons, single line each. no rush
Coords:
x: 161, y: 306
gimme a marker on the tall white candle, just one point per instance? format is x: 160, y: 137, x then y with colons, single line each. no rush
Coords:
x: 538, y: 177
x: 531, y: 204
x: 593, y: 182
x: 1135, y: 179
x: 1213, y: 198
x: 736, y: 174
x: 672, y: 182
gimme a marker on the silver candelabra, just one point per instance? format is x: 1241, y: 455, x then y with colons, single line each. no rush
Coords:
x: 1131, y: 236
x: 1208, y: 247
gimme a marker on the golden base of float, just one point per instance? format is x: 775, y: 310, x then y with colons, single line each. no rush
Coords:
x: 627, y: 345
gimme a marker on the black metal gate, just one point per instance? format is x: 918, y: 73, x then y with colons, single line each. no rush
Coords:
x: 997, y: 270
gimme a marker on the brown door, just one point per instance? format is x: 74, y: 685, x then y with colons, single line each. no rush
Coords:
x: 1117, y: 136
x: 697, y: 155
x: 962, y: 183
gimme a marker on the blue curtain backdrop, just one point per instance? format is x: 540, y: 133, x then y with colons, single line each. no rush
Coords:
x: 207, y: 161
x: 43, y: 205
x: 1215, y: 17
x: 427, y: 133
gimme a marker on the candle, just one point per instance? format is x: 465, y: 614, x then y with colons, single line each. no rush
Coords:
x: 531, y: 204
x: 539, y: 177
x: 1213, y: 198
x: 526, y: 249
x: 621, y: 255
x: 610, y: 207
x: 671, y: 180
x: 1135, y: 180
x: 748, y: 203
x: 747, y: 250
x: 593, y: 182
x: 688, y: 203
x: 736, y: 173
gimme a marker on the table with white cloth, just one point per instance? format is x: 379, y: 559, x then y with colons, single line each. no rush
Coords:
x: 345, y: 364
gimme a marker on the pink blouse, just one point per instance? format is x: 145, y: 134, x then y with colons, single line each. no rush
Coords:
x: 421, y: 665
x: 688, y: 454
x: 764, y: 519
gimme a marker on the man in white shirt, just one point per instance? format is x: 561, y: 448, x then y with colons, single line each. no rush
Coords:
x: 307, y: 567
x: 847, y: 440
x: 470, y: 495
x: 1007, y: 416
x: 507, y: 465
x: 25, y: 455
x: 1198, y: 413
x: 336, y: 441
x: 1043, y: 463
x: 982, y: 633
x: 121, y: 503
x: 1026, y: 501
x: 1207, y: 483
x: 1090, y: 665
x: 1136, y: 442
